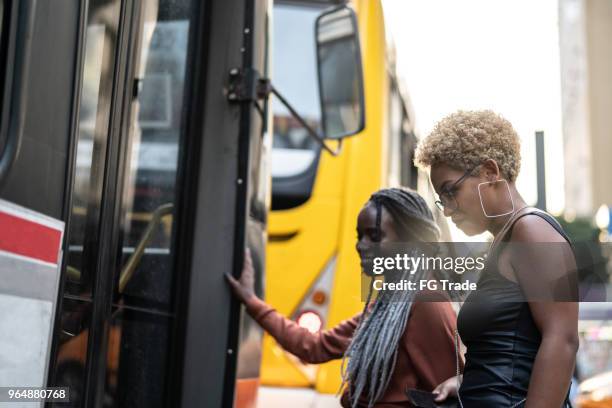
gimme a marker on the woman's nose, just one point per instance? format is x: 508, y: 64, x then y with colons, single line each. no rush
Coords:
x: 358, y: 246
x: 361, y: 246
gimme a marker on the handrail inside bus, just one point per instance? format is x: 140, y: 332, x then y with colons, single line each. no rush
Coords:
x: 130, y: 267
x: 23, y: 18
x: 128, y: 270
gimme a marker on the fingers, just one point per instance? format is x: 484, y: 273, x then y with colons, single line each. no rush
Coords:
x: 243, y: 287
x: 232, y: 281
x: 440, y: 395
x: 247, y: 264
x: 440, y: 392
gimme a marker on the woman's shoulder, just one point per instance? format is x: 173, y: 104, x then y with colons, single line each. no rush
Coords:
x: 536, y: 227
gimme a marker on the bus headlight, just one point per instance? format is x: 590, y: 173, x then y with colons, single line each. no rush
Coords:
x: 310, y: 320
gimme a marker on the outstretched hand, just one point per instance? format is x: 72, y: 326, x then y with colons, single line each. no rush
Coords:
x: 244, y: 288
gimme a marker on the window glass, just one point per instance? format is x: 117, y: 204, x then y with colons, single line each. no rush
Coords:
x: 340, y: 74
x: 143, y: 312
x: 402, y: 143
x: 71, y: 358
x: 1, y: 18
x: 2, y: 36
x: 394, y: 159
x: 94, y: 116
x: 295, y: 76
x: 77, y: 304
x: 410, y: 172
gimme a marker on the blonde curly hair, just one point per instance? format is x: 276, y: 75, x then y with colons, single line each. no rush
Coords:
x: 466, y: 139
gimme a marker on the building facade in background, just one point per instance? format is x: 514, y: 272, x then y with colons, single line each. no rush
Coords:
x: 585, y: 27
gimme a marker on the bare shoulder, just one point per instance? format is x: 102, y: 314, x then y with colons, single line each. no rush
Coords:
x: 533, y: 228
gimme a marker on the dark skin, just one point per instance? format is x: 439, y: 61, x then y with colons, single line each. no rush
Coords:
x: 557, y: 321
x: 367, y: 236
x: 367, y: 233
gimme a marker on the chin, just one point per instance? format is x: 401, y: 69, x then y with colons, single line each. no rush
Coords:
x: 367, y: 270
x: 368, y: 274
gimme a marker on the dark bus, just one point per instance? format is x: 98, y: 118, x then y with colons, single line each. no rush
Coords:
x: 134, y: 170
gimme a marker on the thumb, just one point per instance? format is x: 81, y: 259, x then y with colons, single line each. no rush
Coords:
x: 440, y: 393
x: 232, y: 281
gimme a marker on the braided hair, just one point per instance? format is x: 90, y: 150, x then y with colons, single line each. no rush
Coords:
x: 412, y: 217
x: 370, y: 359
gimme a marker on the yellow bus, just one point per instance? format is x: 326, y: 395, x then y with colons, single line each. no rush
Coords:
x: 312, y: 267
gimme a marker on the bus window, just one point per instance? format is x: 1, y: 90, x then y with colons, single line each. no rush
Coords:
x: 409, y: 171
x: 3, y: 28
x: 99, y: 60
x: 294, y: 154
x: 94, y: 115
x: 395, y: 129
x: 402, y: 143
x: 143, y: 312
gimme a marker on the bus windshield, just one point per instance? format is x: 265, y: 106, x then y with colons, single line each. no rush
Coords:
x: 294, y: 71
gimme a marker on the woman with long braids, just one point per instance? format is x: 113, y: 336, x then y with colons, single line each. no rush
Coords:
x: 520, y: 326
x: 397, y: 342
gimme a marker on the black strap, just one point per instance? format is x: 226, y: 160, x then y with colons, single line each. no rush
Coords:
x: 497, y: 248
x: 545, y: 216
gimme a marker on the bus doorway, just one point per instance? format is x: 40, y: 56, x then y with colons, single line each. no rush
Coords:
x: 118, y: 310
x: 142, y: 131
x: 130, y: 140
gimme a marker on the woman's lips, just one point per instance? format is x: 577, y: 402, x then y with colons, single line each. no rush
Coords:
x: 366, y: 261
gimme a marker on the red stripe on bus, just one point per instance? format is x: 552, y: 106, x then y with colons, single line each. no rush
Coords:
x: 27, y: 238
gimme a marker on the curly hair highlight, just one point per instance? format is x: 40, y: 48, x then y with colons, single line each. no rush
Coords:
x: 466, y: 139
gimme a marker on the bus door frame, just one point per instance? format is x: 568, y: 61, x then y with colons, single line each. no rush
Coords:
x: 231, y: 137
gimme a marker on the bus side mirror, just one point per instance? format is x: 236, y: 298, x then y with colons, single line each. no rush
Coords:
x: 340, y: 73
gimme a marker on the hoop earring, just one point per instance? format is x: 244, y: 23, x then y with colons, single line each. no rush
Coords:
x: 482, y: 204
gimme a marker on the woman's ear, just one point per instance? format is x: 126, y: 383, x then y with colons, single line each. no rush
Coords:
x: 490, y: 170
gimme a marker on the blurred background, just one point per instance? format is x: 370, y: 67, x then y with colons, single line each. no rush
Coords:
x: 546, y: 66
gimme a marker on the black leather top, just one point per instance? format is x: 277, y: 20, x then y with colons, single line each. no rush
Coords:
x: 502, y: 340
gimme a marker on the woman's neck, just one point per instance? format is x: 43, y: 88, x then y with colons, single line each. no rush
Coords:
x: 498, y: 223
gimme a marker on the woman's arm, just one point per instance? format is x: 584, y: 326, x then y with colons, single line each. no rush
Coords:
x: 310, y: 347
x: 538, y: 267
x: 554, y: 363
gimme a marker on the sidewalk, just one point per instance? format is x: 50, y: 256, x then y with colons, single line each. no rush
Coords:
x: 277, y: 397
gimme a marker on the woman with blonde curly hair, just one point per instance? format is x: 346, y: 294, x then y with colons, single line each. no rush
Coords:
x: 521, y: 347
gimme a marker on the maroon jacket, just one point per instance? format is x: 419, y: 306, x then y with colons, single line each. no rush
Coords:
x: 426, y: 355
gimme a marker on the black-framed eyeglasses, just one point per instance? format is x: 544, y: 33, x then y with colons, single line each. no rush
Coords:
x: 447, y: 195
